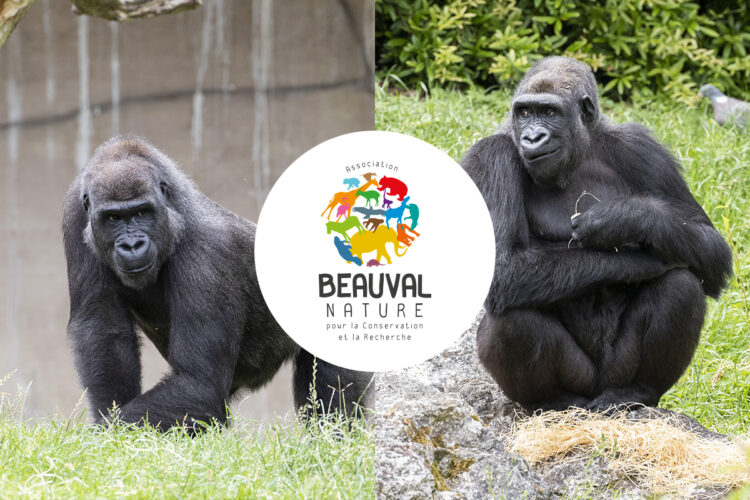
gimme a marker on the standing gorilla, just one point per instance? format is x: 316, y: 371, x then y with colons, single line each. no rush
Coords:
x: 603, y: 255
x: 146, y: 250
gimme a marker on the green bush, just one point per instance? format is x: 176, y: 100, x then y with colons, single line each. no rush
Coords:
x: 636, y: 47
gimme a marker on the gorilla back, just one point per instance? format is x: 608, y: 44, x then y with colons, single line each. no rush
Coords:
x: 604, y: 257
x: 146, y: 250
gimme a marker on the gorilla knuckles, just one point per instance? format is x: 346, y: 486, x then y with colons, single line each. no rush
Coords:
x: 604, y: 257
x: 148, y: 253
x: 129, y: 215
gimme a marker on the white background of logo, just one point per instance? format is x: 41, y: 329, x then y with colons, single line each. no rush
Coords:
x: 455, y: 252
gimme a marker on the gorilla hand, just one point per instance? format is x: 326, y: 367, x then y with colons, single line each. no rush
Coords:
x: 604, y: 226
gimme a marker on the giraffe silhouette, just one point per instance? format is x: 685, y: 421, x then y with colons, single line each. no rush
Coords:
x: 349, y: 195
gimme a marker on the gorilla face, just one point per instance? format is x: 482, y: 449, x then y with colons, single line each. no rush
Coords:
x: 132, y: 235
x: 124, y: 229
x: 549, y: 135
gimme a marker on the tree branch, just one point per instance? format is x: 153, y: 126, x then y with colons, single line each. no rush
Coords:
x: 11, y: 11
x: 124, y: 10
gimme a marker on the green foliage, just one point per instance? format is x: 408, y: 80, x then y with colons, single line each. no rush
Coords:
x: 715, y: 388
x: 641, y: 47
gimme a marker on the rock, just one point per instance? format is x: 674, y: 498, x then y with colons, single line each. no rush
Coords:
x: 442, y: 429
x: 677, y: 419
x: 725, y: 107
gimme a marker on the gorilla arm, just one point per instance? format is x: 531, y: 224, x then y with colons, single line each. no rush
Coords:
x: 202, y: 358
x: 527, y: 276
x: 101, y: 331
x: 663, y: 218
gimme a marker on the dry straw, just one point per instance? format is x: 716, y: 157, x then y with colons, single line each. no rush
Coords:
x: 658, y: 453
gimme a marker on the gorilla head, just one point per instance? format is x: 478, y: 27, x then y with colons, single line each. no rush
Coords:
x: 553, y: 112
x: 131, y: 226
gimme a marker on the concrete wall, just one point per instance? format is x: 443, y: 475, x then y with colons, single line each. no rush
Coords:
x: 233, y: 91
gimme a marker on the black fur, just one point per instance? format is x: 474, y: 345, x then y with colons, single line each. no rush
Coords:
x: 606, y: 308
x: 147, y: 251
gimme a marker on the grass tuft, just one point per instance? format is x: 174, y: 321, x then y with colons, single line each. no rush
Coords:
x: 66, y: 458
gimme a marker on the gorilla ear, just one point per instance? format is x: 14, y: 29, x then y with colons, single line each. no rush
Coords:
x: 85, y: 202
x: 164, y: 189
x: 588, y: 110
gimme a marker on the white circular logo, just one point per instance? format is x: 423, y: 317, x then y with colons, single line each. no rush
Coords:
x: 374, y: 251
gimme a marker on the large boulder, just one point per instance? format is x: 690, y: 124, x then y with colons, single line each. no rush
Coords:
x: 442, y: 432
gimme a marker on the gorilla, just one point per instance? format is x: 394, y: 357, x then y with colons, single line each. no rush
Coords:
x: 147, y: 252
x: 604, y: 258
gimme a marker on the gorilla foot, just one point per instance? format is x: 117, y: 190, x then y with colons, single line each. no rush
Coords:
x: 620, y: 399
x: 560, y: 402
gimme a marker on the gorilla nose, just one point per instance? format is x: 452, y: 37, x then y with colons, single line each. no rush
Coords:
x: 534, y: 138
x: 132, y: 247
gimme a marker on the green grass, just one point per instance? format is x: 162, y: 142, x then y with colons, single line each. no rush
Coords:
x: 716, y: 163
x: 64, y: 458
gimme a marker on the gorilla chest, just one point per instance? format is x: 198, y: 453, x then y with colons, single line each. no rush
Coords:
x: 548, y: 210
x: 150, y: 311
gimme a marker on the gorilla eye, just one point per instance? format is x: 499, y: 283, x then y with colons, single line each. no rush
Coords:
x: 113, y: 218
x: 523, y: 112
x: 549, y: 111
x: 141, y: 213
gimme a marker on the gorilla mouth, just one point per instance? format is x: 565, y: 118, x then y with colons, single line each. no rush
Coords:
x: 544, y: 154
x: 138, y: 270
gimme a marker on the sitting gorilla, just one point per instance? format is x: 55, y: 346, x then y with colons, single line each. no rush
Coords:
x: 604, y: 257
x: 146, y: 250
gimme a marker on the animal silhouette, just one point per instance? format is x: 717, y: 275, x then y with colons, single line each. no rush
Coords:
x: 367, y: 241
x: 343, y: 209
x: 370, y: 196
x: 368, y: 212
x: 386, y: 202
x: 373, y: 263
x: 343, y: 227
x: 348, y: 196
x: 373, y: 223
x: 396, y: 213
x: 345, y: 251
x: 395, y: 187
x: 413, y: 215
x: 351, y: 182
x: 368, y: 176
x: 404, y: 236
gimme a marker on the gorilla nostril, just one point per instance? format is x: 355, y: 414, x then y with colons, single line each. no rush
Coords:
x: 125, y: 247
x: 132, y: 246
x: 535, y: 137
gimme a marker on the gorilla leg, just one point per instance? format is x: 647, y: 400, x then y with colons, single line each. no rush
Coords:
x: 535, y: 360
x: 336, y: 388
x: 666, y: 317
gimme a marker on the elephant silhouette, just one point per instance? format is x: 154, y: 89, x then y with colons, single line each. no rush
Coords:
x: 376, y: 241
